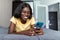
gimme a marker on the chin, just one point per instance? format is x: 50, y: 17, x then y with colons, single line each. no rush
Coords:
x: 24, y: 19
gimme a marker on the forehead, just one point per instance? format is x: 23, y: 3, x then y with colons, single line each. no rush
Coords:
x: 26, y: 9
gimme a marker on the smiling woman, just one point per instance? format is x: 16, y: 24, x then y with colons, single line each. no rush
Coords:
x: 22, y: 21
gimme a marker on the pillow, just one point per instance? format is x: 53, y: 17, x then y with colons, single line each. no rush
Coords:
x: 3, y: 30
x: 39, y: 24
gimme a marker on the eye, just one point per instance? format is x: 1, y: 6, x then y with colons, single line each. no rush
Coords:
x: 28, y: 12
x: 24, y: 11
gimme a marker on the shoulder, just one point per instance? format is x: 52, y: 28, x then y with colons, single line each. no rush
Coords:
x: 32, y: 18
x: 13, y: 18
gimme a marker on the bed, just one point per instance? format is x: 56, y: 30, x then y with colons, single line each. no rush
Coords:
x: 48, y: 35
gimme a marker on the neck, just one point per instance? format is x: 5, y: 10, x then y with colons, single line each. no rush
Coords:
x: 23, y: 21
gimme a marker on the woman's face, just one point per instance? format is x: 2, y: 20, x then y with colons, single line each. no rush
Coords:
x: 25, y: 13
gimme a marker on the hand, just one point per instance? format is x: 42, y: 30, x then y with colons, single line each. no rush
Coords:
x: 30, y: 32
x: 39, y: 31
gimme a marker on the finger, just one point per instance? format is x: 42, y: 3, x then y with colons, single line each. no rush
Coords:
x: 32, y: 32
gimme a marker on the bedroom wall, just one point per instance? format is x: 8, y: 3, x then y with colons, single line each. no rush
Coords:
x: 59, y: 18
x: 5, y: 12
x: 53, y: 7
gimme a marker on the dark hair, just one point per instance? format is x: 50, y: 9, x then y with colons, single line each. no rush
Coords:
x: 17, y: 12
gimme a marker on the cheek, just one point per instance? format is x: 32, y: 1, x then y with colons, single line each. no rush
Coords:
x: 22, y: 14
x: 29, y: 15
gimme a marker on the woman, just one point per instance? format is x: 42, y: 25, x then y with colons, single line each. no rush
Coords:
x: 22, y: 21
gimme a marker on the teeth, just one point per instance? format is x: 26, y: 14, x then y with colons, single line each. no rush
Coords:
x: 25, y: 17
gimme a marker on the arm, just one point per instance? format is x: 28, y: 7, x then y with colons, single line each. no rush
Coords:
x: 32, y: 26
x: 12, y: 30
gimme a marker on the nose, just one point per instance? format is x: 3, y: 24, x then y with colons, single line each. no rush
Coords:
x: 26, y: 13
